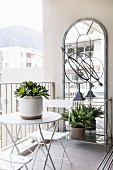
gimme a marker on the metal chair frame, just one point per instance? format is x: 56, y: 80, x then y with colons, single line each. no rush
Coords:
x: 55, y: 103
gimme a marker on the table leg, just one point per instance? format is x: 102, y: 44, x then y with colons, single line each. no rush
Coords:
x: 48, y: 149
x: 17, y: 134
x: 14, y: 141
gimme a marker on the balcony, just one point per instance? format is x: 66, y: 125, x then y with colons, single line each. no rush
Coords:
x: 85, y: 154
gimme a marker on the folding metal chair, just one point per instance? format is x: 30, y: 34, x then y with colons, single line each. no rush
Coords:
x: 47, y: 134
x: 13, y: 161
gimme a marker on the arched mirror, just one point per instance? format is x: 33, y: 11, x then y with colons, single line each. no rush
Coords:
x: 85, y: 61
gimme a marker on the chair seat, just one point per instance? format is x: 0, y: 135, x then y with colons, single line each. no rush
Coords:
x: 12, y: 161
x: 48, y: 134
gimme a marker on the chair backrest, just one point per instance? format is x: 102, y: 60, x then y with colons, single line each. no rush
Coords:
x: 58, y: 104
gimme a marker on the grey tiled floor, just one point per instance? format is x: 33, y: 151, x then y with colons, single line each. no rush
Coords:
x: 84, y: 156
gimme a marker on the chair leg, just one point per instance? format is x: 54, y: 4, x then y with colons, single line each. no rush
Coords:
x: 64, y: 152
x: 64, y: 146
x: 39, y: 146
x: 35, y: 155
x: 45, y: 157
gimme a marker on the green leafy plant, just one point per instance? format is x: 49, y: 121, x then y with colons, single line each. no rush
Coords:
x: 78, y: 117
x: 30, y: 88
x: 97, y: 111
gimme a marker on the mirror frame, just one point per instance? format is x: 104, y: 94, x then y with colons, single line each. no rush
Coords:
x: 105, y: 53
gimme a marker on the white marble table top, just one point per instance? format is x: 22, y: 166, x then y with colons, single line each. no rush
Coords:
x: 14, y: 118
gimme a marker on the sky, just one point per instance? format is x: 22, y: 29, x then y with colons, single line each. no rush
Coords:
x: 21, y: 12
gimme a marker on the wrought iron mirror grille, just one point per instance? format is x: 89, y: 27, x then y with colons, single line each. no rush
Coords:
x: 85, y: 68
x: 84, y: 60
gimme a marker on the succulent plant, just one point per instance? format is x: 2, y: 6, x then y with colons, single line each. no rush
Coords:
x: 30, y: 88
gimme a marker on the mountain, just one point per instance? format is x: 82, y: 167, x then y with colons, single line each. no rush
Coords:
x: 20, y: 36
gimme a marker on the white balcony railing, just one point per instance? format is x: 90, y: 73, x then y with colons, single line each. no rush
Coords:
x: 9, y: 103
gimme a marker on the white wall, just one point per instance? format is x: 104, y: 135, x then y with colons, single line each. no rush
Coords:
x: 58, y: 15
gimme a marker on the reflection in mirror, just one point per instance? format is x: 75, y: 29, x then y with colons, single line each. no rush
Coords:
x: 84, y: 59
x: 85, y: 65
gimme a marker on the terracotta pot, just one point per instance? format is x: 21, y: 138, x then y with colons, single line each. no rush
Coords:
x: 77, y: 133
x: 30, y: 107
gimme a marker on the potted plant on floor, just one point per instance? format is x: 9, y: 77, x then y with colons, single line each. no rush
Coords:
x: 30, y: 102
x: 97, y: 112
x: 78, y: 120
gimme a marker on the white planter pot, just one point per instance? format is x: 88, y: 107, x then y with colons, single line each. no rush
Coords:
x: 30, y: 107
